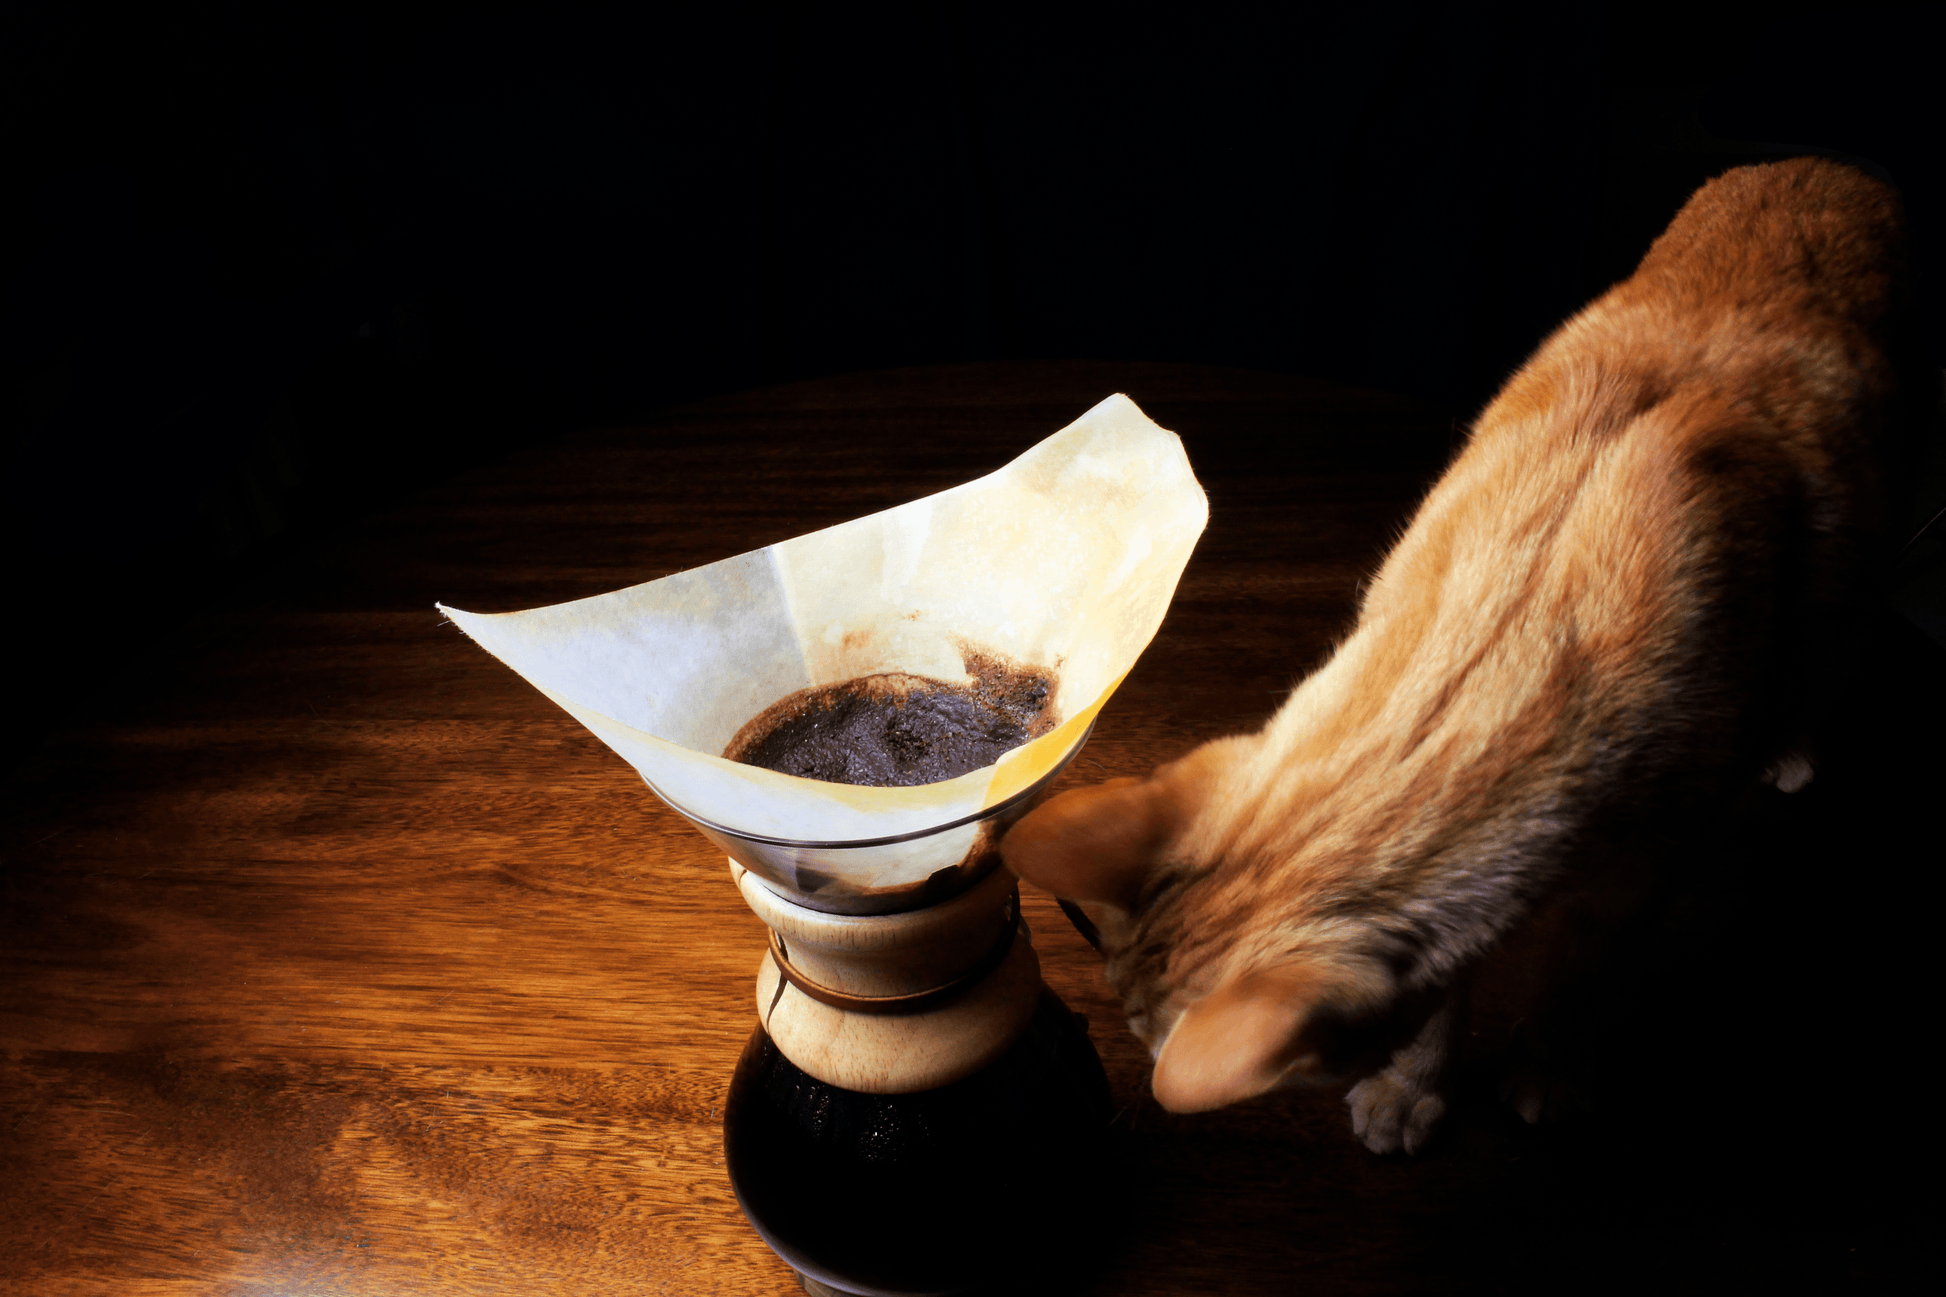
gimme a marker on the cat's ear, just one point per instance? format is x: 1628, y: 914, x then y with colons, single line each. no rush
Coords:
x: 1259, y: 1029
x: 1098, y: 844
x: 1090, y: 844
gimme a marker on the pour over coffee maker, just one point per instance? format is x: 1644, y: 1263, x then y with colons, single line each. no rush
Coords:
x: 915, y: 1111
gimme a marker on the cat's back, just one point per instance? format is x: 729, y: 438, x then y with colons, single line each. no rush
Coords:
x: 1657, y: 526
x: 1748, y: 363
x: 1767, y: 306
x: 1797, y: 244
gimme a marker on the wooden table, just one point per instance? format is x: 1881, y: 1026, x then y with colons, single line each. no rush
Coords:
x: 338, y: 960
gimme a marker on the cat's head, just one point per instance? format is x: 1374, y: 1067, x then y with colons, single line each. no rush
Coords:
x: 1239, y: 969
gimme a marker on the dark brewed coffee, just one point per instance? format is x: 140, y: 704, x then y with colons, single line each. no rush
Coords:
x: 954, y: 1190
x: 896, y: 730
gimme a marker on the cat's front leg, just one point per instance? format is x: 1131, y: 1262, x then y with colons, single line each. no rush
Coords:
x: 1398, y: 1108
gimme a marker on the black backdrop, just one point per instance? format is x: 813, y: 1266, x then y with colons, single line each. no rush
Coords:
x: 268, y: 267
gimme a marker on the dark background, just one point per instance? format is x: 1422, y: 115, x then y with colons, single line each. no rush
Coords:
x: 265, y: 271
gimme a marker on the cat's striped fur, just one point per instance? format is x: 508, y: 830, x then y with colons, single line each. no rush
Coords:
x: 1613, y: 611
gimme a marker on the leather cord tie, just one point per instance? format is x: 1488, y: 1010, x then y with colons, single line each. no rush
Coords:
x: 918, y: 1001
x: 1082, y: 923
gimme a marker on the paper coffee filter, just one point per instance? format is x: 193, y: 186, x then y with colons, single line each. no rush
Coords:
x: 1065, y: 560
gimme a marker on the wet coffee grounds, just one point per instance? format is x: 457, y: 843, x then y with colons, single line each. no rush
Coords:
x: 895, y: 730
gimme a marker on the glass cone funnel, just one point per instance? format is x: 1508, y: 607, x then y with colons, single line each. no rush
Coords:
x: 1063, y: 562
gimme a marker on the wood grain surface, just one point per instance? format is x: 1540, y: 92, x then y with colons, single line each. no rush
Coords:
x: 339, y: 961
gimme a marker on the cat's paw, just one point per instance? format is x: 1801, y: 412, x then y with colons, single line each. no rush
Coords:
x: 1390, y: 1112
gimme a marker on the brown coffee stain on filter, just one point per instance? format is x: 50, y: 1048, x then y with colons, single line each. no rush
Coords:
x: 891, y: 729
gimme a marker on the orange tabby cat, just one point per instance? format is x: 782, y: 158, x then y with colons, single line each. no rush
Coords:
x: 1609, y: 615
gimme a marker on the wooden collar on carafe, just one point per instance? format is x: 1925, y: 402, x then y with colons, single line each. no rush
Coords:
x: 918, y: 1001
